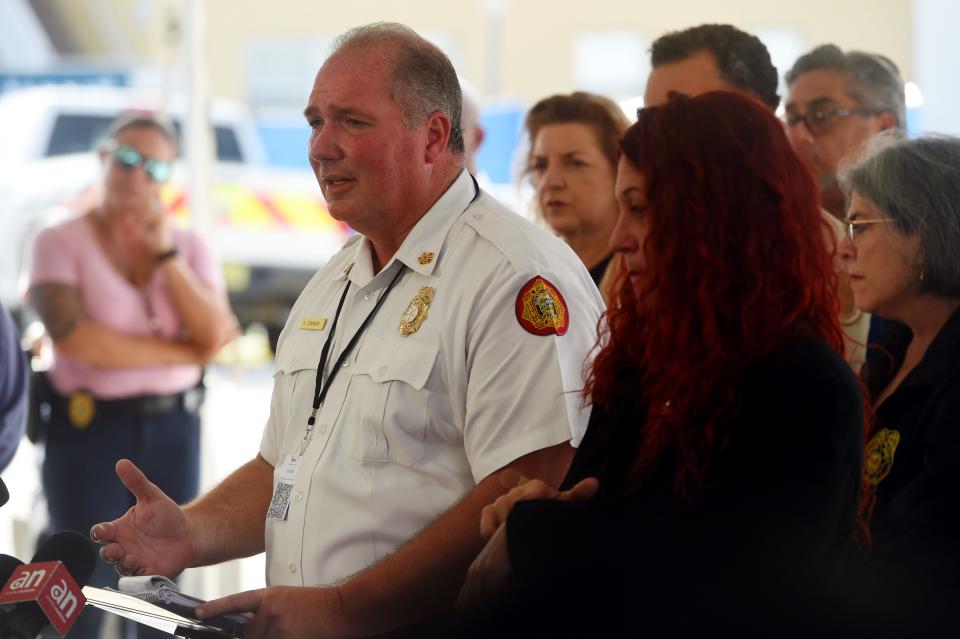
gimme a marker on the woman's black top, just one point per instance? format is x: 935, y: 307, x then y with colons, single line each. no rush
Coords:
x: 778, y: 504
x: 600, y: 269
x: 913, y: 458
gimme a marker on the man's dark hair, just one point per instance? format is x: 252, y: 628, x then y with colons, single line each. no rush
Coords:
x: 874, y: 80
x: 742, y: 58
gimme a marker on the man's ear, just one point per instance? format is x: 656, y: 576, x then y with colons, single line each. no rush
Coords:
x: 438, y: 136
x: 888, y: 121
x: 479, y: 135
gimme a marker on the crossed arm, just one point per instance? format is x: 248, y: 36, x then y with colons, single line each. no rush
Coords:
x: 209, y: 325
x: 62, y: 313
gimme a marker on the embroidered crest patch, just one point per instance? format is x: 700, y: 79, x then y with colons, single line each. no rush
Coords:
x: 878, y: 455
x: 541, y: 309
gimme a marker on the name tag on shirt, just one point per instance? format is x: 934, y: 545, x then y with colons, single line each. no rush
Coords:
x: 280, y: 503
x: 313, y: 323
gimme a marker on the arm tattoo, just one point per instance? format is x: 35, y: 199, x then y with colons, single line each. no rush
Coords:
x: 58, y: 305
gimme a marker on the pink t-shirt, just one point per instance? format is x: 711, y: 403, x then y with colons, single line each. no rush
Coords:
x: 69, y: 253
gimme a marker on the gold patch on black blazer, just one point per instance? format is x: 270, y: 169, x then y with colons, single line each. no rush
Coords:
x: 878, y: 455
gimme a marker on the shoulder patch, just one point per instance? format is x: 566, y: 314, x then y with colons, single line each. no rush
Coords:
x: 541, y: 309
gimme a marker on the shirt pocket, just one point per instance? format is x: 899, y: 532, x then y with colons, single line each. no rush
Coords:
x: 390, y: 401
x: 295, y: 377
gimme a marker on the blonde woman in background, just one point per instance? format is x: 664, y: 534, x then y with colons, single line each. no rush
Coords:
x: 574, y: 149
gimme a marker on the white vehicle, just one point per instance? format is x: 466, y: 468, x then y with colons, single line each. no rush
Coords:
x: 269, y: 226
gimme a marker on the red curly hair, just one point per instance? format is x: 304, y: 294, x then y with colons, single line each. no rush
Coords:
x: 738, y: 258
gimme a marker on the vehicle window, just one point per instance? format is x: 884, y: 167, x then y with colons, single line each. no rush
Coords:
x: 76, y: 133
x: 80, y: 133
x: 228, y: 147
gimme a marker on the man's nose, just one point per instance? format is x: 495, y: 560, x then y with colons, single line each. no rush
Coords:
x: 799, y: 135
x: 324, y: 144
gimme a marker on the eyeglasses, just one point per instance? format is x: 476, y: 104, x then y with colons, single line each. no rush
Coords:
x: 851, y: 226
x: 128, y: 158
x: 819, y: 122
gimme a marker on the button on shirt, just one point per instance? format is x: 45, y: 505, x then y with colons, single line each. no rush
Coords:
x: 412, y: 423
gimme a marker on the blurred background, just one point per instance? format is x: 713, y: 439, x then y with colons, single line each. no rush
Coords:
x: 234, y: 76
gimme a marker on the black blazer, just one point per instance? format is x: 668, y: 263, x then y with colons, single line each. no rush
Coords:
x: 913, y: 572
x: 778, y: 505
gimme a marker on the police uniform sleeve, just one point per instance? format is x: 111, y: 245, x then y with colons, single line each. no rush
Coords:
x: 527, y: 348
x: 13, y: 389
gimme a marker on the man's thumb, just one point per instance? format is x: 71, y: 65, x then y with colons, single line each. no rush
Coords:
x: 136, y: 482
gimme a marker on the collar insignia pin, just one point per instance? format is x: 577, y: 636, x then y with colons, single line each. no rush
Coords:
x: 425, y: 258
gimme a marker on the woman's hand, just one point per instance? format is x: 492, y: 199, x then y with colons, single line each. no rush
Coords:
x: 488, y: 574
x: 154, y: 228
x: 490, y: 571
x: 496, y: 513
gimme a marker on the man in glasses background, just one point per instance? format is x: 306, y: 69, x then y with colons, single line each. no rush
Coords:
x: 721, y: 57
x: 837, y: 101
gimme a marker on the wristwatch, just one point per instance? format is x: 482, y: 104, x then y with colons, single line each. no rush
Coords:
x: 165, y: 255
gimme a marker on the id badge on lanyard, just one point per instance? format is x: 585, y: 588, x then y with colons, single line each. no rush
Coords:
x: 280, y: 503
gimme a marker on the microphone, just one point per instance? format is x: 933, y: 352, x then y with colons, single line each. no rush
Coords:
x: 48, y: 589
x: 7, y: 565
x: 4, y: 493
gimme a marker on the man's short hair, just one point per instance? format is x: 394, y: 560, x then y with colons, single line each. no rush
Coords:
x: 875, y: 81
x: 423, y: 78
x: 742, y: 58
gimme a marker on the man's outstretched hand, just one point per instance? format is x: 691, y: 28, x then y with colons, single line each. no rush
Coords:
x: 152, y: 538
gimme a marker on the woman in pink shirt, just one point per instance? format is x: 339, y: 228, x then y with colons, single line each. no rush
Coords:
x: 134, y: 308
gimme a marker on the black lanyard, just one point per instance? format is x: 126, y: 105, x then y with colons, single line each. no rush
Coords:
x: 320, y: 389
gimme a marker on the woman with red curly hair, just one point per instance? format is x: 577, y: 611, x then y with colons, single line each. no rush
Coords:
x: 720, y: 473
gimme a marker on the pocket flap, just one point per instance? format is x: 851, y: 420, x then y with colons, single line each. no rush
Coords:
x: 396, y: 359
x: 297, y: 354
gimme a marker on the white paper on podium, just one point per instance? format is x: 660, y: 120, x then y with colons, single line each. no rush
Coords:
x: 142, y: 612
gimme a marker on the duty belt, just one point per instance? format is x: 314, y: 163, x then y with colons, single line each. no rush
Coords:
x: 81, y: 406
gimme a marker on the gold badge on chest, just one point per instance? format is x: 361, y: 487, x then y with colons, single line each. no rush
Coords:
x: 878, y: 455
x: 416, y: 313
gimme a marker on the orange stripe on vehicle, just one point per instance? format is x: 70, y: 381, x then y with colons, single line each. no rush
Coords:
x: 273, y: 210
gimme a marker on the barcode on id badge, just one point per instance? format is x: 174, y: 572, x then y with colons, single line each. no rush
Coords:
x: 280, y: 502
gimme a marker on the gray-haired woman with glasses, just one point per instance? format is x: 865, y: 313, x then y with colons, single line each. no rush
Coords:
x: 134, y: 308
x: 903, y: 253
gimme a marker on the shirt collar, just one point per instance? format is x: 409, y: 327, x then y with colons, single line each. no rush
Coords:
x: 938, y: 363
x: 421, y: 249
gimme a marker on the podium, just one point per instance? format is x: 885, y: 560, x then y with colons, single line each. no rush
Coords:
x: 148, y: 614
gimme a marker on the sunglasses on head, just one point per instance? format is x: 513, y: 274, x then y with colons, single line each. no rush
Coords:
x: 128, y: 158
